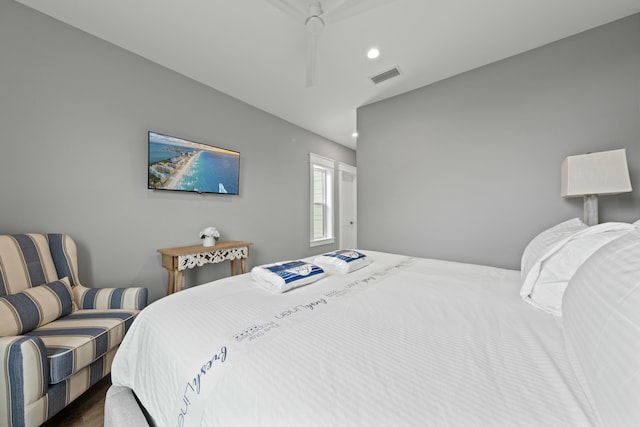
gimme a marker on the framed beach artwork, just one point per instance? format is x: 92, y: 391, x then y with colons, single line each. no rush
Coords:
x: 179, y: 165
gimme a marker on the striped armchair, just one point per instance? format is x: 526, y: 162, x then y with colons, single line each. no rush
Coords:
x: 57, y: 337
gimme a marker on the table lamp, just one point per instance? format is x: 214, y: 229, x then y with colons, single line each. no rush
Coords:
x: 592, y: 175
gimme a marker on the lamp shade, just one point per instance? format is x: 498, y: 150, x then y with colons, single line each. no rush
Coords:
x: 600, y: 173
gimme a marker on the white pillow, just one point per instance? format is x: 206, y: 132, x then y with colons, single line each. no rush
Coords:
x: 546, y: 281
x: 601, y: 324
x: 342, y: 261
x: 284, y: 276
x: 547, y: 241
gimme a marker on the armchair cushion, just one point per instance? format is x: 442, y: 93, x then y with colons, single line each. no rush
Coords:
x: 34, y: 307
x: 75, y: 341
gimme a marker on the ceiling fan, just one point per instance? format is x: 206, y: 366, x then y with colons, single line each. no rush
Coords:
x: 314, y: 17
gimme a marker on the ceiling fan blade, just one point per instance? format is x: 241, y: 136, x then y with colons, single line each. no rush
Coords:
x: 314, y: 25
x: 349, y: 8
x: 312, y: 49
x: 296, y: 9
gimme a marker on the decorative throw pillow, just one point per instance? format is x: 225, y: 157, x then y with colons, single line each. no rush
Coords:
x: 545, y: 284
x: 342, y: 261
x: 34, y: 307
x: 284, y: 276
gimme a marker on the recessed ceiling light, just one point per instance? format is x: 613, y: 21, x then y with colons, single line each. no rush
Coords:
x: 373, y: 53
x: 355, y: 134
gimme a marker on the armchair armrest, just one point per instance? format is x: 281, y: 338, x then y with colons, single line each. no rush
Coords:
x: 24, y: 379
x: 108, y: 298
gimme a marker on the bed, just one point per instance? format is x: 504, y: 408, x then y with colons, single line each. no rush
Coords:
x: 400, y: 341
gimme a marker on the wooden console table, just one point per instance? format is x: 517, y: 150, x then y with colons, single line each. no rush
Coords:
x: 175, y: 260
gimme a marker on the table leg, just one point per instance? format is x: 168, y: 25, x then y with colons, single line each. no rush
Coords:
x: 178, y: 283
x: 243, y: 265
x: 233, y: 267
x: 171, y: 282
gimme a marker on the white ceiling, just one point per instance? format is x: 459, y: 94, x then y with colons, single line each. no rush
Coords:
x: 255, y: 52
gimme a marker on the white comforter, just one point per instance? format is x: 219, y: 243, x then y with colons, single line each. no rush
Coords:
x: 401, y: 342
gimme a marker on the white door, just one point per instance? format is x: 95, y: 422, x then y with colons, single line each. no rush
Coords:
x: 347, y: 189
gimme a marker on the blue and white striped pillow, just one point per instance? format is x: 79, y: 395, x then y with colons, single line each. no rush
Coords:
x: 284, y: 276
x: 27, y: 310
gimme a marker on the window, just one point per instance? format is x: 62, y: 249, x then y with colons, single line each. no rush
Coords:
x: 321, y: 179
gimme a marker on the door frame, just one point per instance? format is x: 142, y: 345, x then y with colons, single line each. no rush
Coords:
x: 343, y: 169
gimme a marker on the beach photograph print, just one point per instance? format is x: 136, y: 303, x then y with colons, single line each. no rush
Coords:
x: 181, y: 165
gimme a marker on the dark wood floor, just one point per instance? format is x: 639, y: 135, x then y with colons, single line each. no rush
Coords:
x: 85, y: 411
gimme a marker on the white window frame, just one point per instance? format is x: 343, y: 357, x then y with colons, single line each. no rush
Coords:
x: 327, y: 165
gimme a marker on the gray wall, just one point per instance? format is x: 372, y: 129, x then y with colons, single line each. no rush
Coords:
x: 74, y: 116
x: 468, y: 169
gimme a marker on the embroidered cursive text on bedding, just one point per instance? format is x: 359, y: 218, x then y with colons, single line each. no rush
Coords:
x: 193, y: 387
